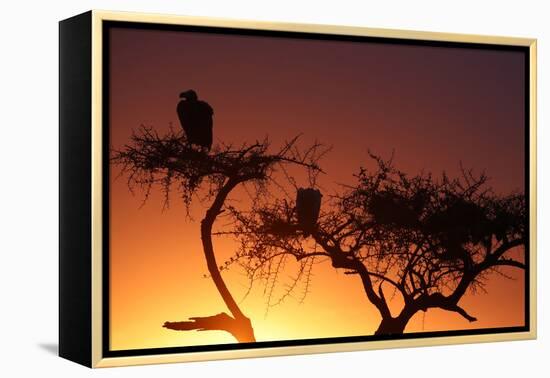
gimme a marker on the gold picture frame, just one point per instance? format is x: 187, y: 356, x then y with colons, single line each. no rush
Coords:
x: 82, y: 253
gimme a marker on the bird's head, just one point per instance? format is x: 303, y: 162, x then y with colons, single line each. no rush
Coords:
x: 189, y: 95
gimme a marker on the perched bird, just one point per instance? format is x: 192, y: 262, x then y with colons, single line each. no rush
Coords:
x: 196, y: 119
x: 308, y: 206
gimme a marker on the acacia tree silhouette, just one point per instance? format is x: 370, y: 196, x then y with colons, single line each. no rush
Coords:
x: 170, y: 162
x: 428, y: 239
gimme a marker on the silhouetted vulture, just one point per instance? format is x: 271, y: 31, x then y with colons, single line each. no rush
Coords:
x: 308, y: 206
x: 196, y: 119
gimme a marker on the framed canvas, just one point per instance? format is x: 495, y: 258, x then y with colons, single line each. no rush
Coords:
x: 238, y: 188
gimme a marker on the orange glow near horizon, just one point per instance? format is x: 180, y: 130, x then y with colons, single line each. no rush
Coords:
x: 434, y: 107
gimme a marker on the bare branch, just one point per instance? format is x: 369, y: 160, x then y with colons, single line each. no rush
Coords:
x: 240, y: 329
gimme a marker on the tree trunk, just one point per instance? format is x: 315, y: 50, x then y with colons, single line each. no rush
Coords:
x: 391, y: 326
x: 237, y: 325
x: 395, y: 326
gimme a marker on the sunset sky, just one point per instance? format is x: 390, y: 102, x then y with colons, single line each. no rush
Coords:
x: 435, y: 107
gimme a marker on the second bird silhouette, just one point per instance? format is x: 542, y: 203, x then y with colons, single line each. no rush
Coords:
x: 308, y: 206
x: 196, y: 118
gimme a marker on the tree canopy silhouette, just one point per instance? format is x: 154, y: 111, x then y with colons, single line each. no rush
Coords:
x: 172, y: 162
x: 427, y: 239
